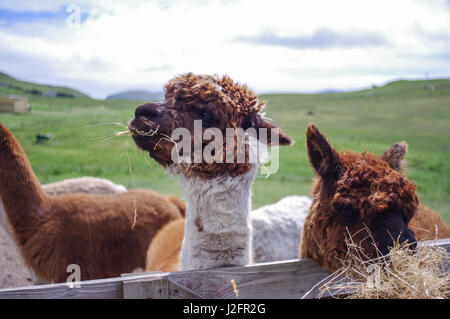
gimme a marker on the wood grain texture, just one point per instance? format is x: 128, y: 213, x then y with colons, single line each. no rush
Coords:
x: 110, y: 288
x: 287, y: 279
x: 290, y: 279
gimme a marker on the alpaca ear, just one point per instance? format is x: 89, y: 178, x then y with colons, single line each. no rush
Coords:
x: 395, y: 154
x: 274, y: 131
x: 322, y: 156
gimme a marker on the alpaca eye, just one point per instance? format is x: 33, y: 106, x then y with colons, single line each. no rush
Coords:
x: 206, y: 115
x: 247, y: 122
x: 348, y: 214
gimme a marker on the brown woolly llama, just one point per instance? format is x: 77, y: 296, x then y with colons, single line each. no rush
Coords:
x: 99, y: 233
x: 86, y: 184
x: 364, y: 197
x: 216, y: 231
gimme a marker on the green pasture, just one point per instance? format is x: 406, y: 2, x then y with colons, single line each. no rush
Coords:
x: 415, y: 111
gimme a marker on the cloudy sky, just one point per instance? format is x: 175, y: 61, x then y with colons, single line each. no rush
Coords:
x: 273, y: 46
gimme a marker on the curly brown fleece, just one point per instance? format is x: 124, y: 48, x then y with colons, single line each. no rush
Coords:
x: 187, y: 98
x: 352, y: 195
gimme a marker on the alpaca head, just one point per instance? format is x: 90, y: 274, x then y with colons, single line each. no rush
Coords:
x: 200, y: 104
x: 363, y: 196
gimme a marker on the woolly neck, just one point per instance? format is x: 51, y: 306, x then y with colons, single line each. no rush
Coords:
x: 20, y: 191
x: 217, y: 229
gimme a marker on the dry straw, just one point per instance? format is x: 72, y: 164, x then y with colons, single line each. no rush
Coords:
x: 129, y: 130
x: 405, y: 273
x: 151, y: 132
x: 235, y: 290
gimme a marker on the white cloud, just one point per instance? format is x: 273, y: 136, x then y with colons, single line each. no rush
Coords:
x: 141, y: 44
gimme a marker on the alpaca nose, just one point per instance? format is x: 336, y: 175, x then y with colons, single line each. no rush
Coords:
x: 384, y: 246
x: 151, y: 110
x: 389, y: 228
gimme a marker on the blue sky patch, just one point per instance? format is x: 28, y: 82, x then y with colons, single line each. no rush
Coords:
x: 10, y: 17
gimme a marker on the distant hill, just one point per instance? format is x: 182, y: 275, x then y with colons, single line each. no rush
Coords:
x: 328, y: 91
x: 13, y: 86
x: 10, y: 85
x: 407, y: 87
x: 137, y: 95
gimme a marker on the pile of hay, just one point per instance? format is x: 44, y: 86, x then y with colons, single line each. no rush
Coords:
x: 405, y: 273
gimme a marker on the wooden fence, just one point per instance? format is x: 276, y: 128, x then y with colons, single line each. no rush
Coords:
x: 290, y: 279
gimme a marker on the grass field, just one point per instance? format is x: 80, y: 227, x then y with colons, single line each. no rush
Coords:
x: 365, y: 120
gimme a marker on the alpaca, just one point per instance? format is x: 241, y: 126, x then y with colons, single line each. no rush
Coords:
x: 105, y: 235
x: 365, y: 198
x: 277, y: 228
x: 217, y: 230
x: 276, y: 233
x: 86, y: 184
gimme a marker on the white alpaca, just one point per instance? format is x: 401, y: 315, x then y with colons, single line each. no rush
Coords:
x: 277, y: 228
x: 86, y: 184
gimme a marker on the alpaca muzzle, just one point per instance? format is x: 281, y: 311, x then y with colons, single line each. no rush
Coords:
x: 147, y: 135
x: 390, y: 229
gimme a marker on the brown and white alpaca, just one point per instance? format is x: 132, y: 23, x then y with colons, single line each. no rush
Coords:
x: 364, y: 197
x: 217, y: 230
x: 99, y: 233
x: 86, y: 184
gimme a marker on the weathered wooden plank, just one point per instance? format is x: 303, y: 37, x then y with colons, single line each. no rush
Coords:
x: 177, y: 291
x: 158, y: 286
x: 155, y: 287
x: 145, y: 285
x: 445, y: 243
x: 110, y: 288
x: 287, y: 279
x: 284, y: 279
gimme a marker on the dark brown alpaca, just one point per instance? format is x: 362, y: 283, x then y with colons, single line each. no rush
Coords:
x: 365, y: 197
x: 92, y: 231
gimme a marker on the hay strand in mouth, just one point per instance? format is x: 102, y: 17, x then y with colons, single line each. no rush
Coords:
x: 129, y: 130
x: 150, y: 132
x: 111, y: 123
x: 104, y: 139
x: 166, y: 138
x: 175, y: 144
x: 125, y: 145
x: 122, y: 133
x: 145, y: 158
